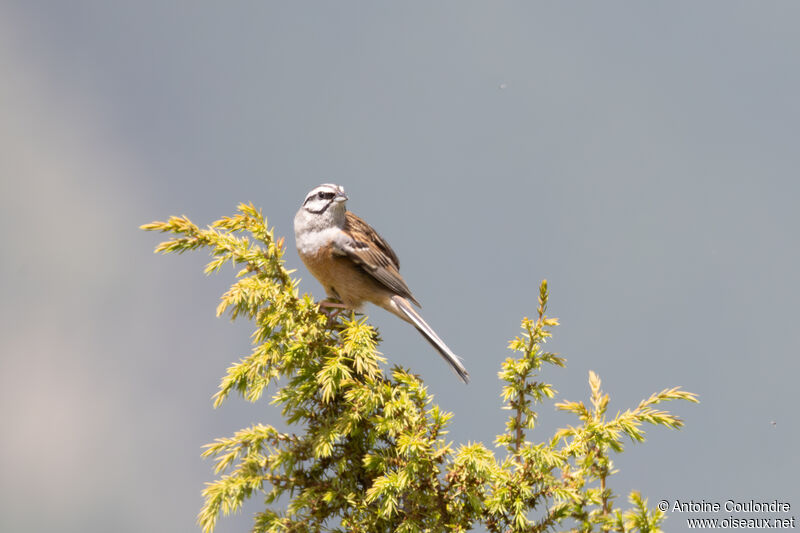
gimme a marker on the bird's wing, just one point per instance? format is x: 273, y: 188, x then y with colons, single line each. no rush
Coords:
x: 374, y: 255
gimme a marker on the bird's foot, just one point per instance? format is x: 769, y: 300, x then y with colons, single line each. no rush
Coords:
x: 331, y: 308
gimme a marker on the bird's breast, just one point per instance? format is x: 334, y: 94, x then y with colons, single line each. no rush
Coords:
x: 312, y: 242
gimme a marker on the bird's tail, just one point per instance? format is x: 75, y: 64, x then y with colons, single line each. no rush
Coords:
x: 431, y: 336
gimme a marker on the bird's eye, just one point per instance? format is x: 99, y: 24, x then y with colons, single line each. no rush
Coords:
x: 326, y: 195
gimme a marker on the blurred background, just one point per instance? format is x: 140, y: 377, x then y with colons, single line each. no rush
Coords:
x: 640, y: 156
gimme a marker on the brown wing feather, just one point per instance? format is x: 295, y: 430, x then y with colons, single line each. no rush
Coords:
x: 355, y: 226
x: 374, y: 256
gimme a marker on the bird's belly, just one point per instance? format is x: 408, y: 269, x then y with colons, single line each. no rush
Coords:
x: 345, y: 280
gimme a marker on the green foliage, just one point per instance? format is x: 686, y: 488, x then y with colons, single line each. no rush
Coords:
x: 369, y: 452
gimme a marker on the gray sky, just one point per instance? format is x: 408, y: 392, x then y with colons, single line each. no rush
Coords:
x: 640, y: 156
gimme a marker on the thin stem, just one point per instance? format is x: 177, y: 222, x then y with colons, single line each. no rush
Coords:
x: 605, y: 497
x: 519, y: 432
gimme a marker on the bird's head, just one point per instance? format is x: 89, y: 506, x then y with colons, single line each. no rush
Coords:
x: 322, y: 198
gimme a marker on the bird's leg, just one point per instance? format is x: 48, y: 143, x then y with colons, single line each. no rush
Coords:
x: 329, y: 302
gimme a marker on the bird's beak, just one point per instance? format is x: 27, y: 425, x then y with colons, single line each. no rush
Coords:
x: 341, y: 197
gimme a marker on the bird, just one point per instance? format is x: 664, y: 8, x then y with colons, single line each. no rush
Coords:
x: 356, y: 265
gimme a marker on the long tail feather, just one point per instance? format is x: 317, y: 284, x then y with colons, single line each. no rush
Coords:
x: 432, y: 337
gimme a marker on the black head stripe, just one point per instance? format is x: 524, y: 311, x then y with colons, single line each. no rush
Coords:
x: 327, y: 187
